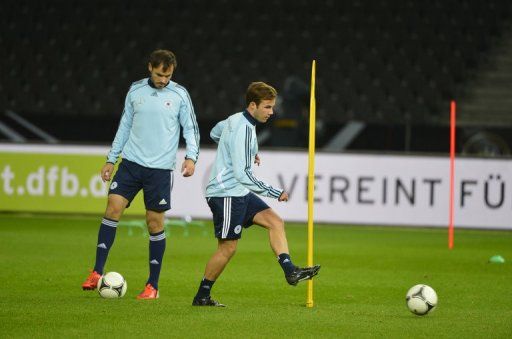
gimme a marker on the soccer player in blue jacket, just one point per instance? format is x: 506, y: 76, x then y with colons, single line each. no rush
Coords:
x: 147, y: 138
x: 232, y: 193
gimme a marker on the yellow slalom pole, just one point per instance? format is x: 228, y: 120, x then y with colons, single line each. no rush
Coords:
x: 311, y: 179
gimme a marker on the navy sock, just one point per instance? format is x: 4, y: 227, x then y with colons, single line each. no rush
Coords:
x: 156, y: 255
x: 106, y: 236
x: 286, y: 263
x: 205, y: 288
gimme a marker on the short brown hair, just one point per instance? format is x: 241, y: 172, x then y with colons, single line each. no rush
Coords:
x: 258, y: 91
x: 163, y: 57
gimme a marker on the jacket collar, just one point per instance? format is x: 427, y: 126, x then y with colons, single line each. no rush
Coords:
x: 249, y: 117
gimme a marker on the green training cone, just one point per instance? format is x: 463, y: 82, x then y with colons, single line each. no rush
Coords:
x: 497, y: 259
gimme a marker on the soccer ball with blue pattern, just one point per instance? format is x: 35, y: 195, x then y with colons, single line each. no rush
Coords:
x: 112, y: 285
x: 421, y: 299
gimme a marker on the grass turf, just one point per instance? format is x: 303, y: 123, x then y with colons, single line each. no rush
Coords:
x: 360, y: 291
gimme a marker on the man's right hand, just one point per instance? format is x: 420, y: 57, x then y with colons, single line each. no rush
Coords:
x: 106, y: 171
x: 283, y: 197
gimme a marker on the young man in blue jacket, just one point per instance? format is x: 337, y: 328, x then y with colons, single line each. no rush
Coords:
x: 232, y: 193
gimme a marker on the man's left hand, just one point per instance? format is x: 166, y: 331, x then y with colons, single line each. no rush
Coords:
x: 188, y: 167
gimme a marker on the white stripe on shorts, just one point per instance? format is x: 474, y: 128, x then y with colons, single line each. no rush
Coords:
x: 172, y: 179
x: 227, y: 217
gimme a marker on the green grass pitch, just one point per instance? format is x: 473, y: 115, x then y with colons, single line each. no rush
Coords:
x: 359, y: 292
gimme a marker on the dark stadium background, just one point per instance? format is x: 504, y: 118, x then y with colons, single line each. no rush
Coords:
x: 386, y: 70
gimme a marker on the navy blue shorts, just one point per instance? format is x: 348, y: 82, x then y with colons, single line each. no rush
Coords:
x: 156, y: 184
x: 231, y: 214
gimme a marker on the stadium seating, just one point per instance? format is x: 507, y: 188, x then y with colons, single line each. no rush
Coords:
x: 378, y: 61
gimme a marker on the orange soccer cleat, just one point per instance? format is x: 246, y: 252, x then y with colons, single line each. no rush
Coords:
x: 92, y: 281
x: 149, y: 293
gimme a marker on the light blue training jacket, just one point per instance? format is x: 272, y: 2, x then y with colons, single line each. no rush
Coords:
x: 231, y: 175
x: 149, y: 130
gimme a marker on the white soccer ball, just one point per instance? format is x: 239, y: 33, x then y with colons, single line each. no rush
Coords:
x: 421, y: 299
x: 112, y: 285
